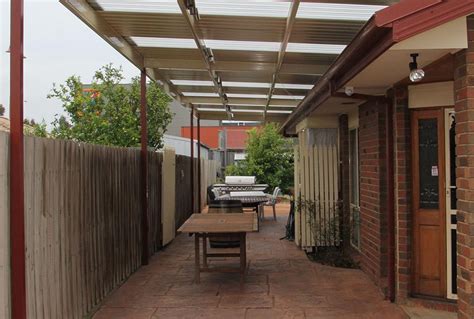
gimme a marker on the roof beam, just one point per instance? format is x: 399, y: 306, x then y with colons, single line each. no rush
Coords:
x: 236, y: 100
x: 238, y: 116
x: 231, y: 66
x: 97, y: 23
x: 199, y: 43
x: 290, y: 21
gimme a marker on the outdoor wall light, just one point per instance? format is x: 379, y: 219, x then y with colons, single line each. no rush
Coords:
x: 349, y: 90
x: 416, y: 74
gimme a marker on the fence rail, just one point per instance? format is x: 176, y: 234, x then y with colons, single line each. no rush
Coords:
x: 82, y: 210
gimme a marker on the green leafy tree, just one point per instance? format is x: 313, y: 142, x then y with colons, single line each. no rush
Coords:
x: 2, y: 110
x: 30, y: 127
x: 269, y: 158
x: 108, y: 112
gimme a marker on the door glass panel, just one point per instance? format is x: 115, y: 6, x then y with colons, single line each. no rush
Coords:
x: 454, y: 286
x: 428, y: 163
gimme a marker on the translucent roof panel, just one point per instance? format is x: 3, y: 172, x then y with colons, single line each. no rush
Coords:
x: 245, y: 36
x: 247, y: 8
x: 260, y: 8
x: 336, y: 11
x: 203, y: 94
x: 238, y: 45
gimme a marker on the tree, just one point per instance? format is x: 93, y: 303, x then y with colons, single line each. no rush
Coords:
x: 30, y: 127
x: 269, y: 158
x: 2, y: 110
x: 108, y: 112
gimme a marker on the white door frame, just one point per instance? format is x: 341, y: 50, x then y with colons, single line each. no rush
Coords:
x: 449, y: 211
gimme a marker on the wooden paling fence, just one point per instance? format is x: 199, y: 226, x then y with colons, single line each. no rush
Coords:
x: 317, y: 189
x: 82, y: 210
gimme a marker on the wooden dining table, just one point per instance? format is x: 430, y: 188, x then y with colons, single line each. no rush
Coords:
x: 230, y: 225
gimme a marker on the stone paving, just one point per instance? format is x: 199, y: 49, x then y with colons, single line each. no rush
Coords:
x: 281, y: 283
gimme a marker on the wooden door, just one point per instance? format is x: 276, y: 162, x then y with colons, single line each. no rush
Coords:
x: 429, y: 227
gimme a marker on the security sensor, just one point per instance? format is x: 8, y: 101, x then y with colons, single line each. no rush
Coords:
x: 349, y: 90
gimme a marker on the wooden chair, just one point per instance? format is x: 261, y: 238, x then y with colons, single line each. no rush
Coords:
x: 224, y: 207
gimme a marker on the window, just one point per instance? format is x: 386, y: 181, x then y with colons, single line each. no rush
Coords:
x: 354, y: 187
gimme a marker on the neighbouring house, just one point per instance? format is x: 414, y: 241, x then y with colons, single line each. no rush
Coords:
x: 181, y: 119
x: 227, y: 141
x: 5, y: 126
x: 396, y: 156
x: 182, y: 146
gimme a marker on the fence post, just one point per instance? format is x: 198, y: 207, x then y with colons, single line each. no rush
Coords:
x: 144, y: 167
x: 17, y: 205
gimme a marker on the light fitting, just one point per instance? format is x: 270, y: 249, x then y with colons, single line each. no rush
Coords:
x: 416, y: 74
x: 349, y: 90
x: 209, y: 54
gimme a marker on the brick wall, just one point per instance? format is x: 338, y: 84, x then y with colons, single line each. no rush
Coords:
x: 345, y: 180
x: 403, y: 213
x: 464, y: 107
x: 372, y: 190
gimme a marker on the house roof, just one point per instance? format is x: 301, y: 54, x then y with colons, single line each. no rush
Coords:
x: 265, y: 55
x: 386, y: 28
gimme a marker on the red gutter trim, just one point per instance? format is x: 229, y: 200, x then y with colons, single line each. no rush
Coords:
x: 17, y: 187
x: 373, y: 40
x: 401, y: 10
x: 424, y: 20
x: 350, y: 62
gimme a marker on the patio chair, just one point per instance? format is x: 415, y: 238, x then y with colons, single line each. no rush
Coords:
x: 212, y: 194
x: 224, y: 207
x: 272, y: 202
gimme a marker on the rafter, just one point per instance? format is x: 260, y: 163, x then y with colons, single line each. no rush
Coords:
x: 98, y: 24
x: 290, y: 21
x: 191, y: 22
x: 237, y: 66
x: 236, y: 100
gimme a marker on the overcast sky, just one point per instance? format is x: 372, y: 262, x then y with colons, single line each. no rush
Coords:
x: 57, y: 45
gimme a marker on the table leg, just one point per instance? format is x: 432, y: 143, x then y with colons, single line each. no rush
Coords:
x: 197, y: 268
x: 204, y: 250
x: 243, y: 257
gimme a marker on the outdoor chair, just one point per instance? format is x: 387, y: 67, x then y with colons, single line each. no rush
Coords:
x: 212, y: 194
x: 224, y: 207
x: 272, y: 202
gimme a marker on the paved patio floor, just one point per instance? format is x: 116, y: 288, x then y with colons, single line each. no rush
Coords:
x: 281, y: 283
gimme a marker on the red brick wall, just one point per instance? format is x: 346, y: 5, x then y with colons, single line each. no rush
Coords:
x: 345, y: 179
x: 403, y: 213
x: 464, y: 107
x: 372, y: 190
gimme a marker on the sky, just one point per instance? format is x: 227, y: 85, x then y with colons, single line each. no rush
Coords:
x: 57, y: 45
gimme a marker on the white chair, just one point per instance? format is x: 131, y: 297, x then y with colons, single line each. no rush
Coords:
x: 272, y: 202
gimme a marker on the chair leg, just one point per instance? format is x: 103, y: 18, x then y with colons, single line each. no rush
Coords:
x: 274, y: 212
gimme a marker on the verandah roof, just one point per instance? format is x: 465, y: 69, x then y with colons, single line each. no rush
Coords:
x: 266, y: 55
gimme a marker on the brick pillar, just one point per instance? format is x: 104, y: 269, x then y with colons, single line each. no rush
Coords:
x: 403, y: 213
x: 373, y: 217
x: 345, y: 182
x: 464, y: 107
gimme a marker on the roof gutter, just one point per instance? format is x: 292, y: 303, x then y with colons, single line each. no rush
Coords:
x: 386, y: 27
x: 368, y: 44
